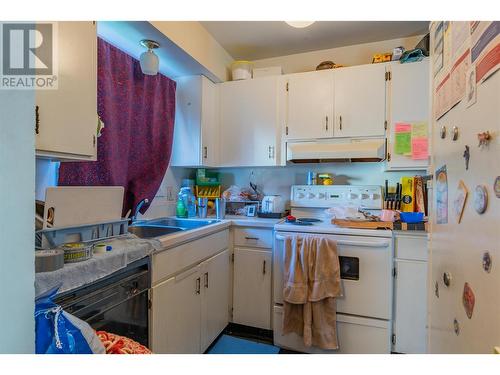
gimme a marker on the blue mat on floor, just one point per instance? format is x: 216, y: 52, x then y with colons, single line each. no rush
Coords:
x: 234, y: 345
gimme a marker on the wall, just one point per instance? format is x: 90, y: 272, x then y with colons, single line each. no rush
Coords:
x: 17, y: 257
x: 349, y: 55
x: 193, y: 38
x: 278, y: 180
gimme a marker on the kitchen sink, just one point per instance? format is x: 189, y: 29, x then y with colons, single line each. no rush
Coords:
x: 150, y: 231
x: 164, y: 226
x: 185, y: 224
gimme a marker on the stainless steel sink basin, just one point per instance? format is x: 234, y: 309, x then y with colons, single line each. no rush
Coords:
x: 150, y: 231
x: 164, y: 226
x: 185, y: 224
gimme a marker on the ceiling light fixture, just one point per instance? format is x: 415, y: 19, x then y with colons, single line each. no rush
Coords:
x: 300, y: 24
x: 149, y: 61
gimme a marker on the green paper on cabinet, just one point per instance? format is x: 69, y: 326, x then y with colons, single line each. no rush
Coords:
x: 402, y: 138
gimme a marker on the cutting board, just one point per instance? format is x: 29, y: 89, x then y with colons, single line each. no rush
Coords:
x: 363, y: 224
x: 75, y: 205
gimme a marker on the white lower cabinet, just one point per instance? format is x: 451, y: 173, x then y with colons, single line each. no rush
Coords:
x: 176, y: 314
x: 214, y: 298
x: 252, y: 287
x: 190, y: 309
x: 410, y: 294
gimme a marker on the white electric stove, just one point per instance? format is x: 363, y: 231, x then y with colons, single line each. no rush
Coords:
x: 364, y: 312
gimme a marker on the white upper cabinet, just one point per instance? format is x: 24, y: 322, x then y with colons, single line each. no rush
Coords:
x: 408, y: 101
x: 249, y: 131
x: 309, y: 105
x: 66, y: 118
x: 196, y: 123
x: 360, y: 101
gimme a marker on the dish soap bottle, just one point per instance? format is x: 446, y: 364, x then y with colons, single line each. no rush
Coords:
x: 181, y: 208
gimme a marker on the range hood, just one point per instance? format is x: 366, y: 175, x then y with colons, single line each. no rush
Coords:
x: 335, y: 150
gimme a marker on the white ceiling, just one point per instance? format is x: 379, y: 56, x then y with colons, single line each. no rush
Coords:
x: 253, y: 40
x: 174, y: 61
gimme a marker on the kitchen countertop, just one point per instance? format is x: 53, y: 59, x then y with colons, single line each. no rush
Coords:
x: 173, y: 240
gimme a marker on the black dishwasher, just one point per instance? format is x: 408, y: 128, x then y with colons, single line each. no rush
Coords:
x: 118, y: 303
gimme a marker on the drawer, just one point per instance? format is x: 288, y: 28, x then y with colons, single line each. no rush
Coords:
x: 253, y: 237
x: 169, y: 262
x: 355, y: 335
x: 410, y: 247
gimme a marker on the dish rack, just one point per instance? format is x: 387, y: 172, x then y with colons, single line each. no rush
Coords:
x: 54, y: 237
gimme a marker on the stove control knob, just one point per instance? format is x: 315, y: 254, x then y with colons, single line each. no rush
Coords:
x: 301, y: 195
x: 310, y: 196
x: 352, y: 196
x: 374, y: 197
x: 321, y: 195
x: 364, y: 196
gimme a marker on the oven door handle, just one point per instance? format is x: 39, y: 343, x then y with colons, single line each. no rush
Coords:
x: 377, y: 243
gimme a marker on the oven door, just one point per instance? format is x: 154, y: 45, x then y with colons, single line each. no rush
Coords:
x: 366, y: 274
x: 120, y: 307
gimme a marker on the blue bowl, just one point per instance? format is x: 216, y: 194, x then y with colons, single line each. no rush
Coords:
x: 411, y: 217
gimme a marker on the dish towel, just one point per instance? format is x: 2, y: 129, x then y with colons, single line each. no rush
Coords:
x: 311, y: 283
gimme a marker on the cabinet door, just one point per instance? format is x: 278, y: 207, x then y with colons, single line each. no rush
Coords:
x: 249, y: 122
x: 408, y: 99
x: 309, y: 103
x: 360, y: 101
x: 215, y: 297
x: 68, y: 115
x: 176, y: 314
x: 209, y: 124
x: 410, y: 315
x: 252, y: 288
x: 188, y: 103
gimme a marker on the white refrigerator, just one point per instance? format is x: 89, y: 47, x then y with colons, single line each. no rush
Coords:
x: 464, y: 276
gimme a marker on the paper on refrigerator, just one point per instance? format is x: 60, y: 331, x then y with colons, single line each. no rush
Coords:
x: 485, y: 52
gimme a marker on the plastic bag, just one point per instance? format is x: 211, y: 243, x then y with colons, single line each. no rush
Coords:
x: 58, y: 332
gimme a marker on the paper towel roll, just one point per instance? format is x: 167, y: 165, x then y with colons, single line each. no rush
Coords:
x: 49, y: 260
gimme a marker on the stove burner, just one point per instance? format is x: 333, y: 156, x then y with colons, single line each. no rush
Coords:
x: 309, y: 220
x: 299, y: 222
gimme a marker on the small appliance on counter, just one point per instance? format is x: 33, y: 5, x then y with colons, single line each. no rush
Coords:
x: 272, y: 207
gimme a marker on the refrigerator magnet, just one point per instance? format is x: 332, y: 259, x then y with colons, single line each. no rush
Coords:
x: 460, y: 199
x: 442, y: 133
x: 467, y: 157
x: 496, y: 186
x: 447, y: 278
x: 468, y: 300
x: 480, y: 199
x: 487, y: 262
x: 456, y: 327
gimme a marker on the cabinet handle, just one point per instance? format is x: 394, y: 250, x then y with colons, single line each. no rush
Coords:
x: 252, y: 238
x: 198, y: 285
x: 272, y: 152
x: 264, y: 267
x: 205, y: 152
x: 326, y: 123
x: 37, y: 120
x: 388, y: 156
x: 206, y: 280
x: 93, y: 140
x: 340, y: 122
x: 269, y: 152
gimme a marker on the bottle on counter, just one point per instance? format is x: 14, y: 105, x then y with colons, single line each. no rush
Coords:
x: 182, y: 208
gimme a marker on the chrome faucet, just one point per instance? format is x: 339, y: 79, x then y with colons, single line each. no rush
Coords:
x: 137, y: 208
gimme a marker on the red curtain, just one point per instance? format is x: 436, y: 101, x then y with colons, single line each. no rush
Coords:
x: 138, y: 112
